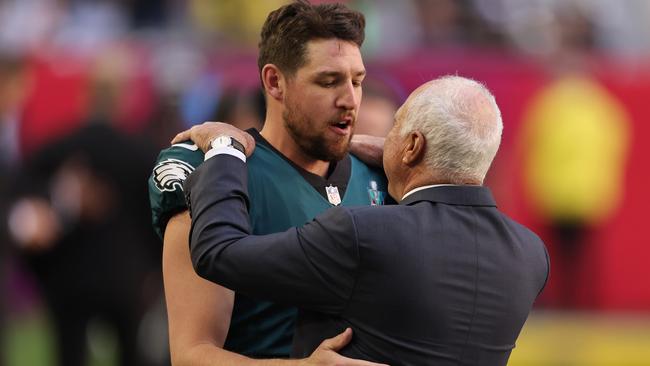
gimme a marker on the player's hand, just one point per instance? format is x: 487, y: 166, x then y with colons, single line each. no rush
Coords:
x: 326, y: 353
x: 204, y: 133
x: 370, y: 149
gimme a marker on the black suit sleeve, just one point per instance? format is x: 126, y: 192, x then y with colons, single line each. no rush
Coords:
x: 313, y: 266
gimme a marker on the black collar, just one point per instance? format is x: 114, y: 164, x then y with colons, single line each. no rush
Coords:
x: 338, y: 174
x: 453, y: 195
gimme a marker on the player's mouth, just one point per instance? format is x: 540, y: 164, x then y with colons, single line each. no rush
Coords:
x: 343, y: 127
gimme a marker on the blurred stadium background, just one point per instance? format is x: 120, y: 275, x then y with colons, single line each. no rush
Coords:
x: 572, y: 78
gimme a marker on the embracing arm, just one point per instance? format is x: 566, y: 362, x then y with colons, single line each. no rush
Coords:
x: 370, y: 149
x: 313, y: 266
x: 199, y: 314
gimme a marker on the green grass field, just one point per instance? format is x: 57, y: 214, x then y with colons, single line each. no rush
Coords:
x: 28, y: 342
x: 548, y: 339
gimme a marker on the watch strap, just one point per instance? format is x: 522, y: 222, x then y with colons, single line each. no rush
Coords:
x: 230, y: 147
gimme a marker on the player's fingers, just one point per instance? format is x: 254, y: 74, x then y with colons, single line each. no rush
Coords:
x: 338, y: 342
x: 249, y: 144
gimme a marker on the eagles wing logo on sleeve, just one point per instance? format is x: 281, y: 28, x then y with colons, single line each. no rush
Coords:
x: 170, y: 174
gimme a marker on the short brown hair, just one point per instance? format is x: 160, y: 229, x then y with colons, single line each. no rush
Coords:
x: 287, y: 30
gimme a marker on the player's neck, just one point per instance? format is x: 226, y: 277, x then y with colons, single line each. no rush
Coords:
x: 275, y: 134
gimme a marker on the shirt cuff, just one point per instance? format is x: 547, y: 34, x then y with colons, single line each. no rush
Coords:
x: 225, y: 150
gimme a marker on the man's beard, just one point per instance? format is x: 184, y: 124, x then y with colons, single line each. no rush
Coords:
x: 313, y: 142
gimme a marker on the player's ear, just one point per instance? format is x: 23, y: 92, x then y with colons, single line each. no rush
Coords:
x: 274, y: 81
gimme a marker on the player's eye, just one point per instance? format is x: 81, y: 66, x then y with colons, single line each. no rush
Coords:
x: 327, y: 83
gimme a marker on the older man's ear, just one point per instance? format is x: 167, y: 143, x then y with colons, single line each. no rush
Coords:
x: 414, y: 149
x: 370, y: 149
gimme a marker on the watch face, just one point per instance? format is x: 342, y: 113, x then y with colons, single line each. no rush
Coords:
x: 222, y: 141
x: 227, y: 141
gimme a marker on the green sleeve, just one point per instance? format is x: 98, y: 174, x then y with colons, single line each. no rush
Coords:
x: 166, y: 197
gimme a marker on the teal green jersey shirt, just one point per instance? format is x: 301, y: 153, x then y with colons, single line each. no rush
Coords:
x: 281, y: 196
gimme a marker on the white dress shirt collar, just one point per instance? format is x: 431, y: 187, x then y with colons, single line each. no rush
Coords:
x: 425, y: 187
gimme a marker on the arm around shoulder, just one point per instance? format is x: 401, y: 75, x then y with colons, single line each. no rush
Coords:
x: 313, y: 266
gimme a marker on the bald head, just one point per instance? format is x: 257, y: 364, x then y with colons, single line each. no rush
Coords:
x: 461, y: 124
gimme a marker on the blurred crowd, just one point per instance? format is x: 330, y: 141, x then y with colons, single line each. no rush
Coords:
x: 528, y: 26
x: 90, y: 90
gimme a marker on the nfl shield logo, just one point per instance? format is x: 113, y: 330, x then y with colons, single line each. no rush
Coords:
x: 333, y: 195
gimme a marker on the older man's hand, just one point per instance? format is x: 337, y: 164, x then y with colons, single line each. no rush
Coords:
x: 204, y: 133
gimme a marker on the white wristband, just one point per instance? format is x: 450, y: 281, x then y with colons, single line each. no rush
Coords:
x: 229, y: 150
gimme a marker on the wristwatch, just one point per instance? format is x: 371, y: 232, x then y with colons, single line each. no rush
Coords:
x: 227, y: 141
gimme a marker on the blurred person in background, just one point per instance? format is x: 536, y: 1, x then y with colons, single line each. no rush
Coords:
x: 452, y: 23
x: 233, y: 22
x: 575, y: 142
x: 619, y: 28
x: 378, y: 106
x: 79, y: 220
x: 245, y: 108
x: 374, y: 120
x: 14, y: 84
x: 311, y: 70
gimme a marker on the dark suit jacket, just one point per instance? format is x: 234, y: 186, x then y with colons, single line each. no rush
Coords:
x: 443, y: 278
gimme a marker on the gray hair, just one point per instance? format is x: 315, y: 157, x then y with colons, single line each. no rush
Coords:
x: 461, y: 123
